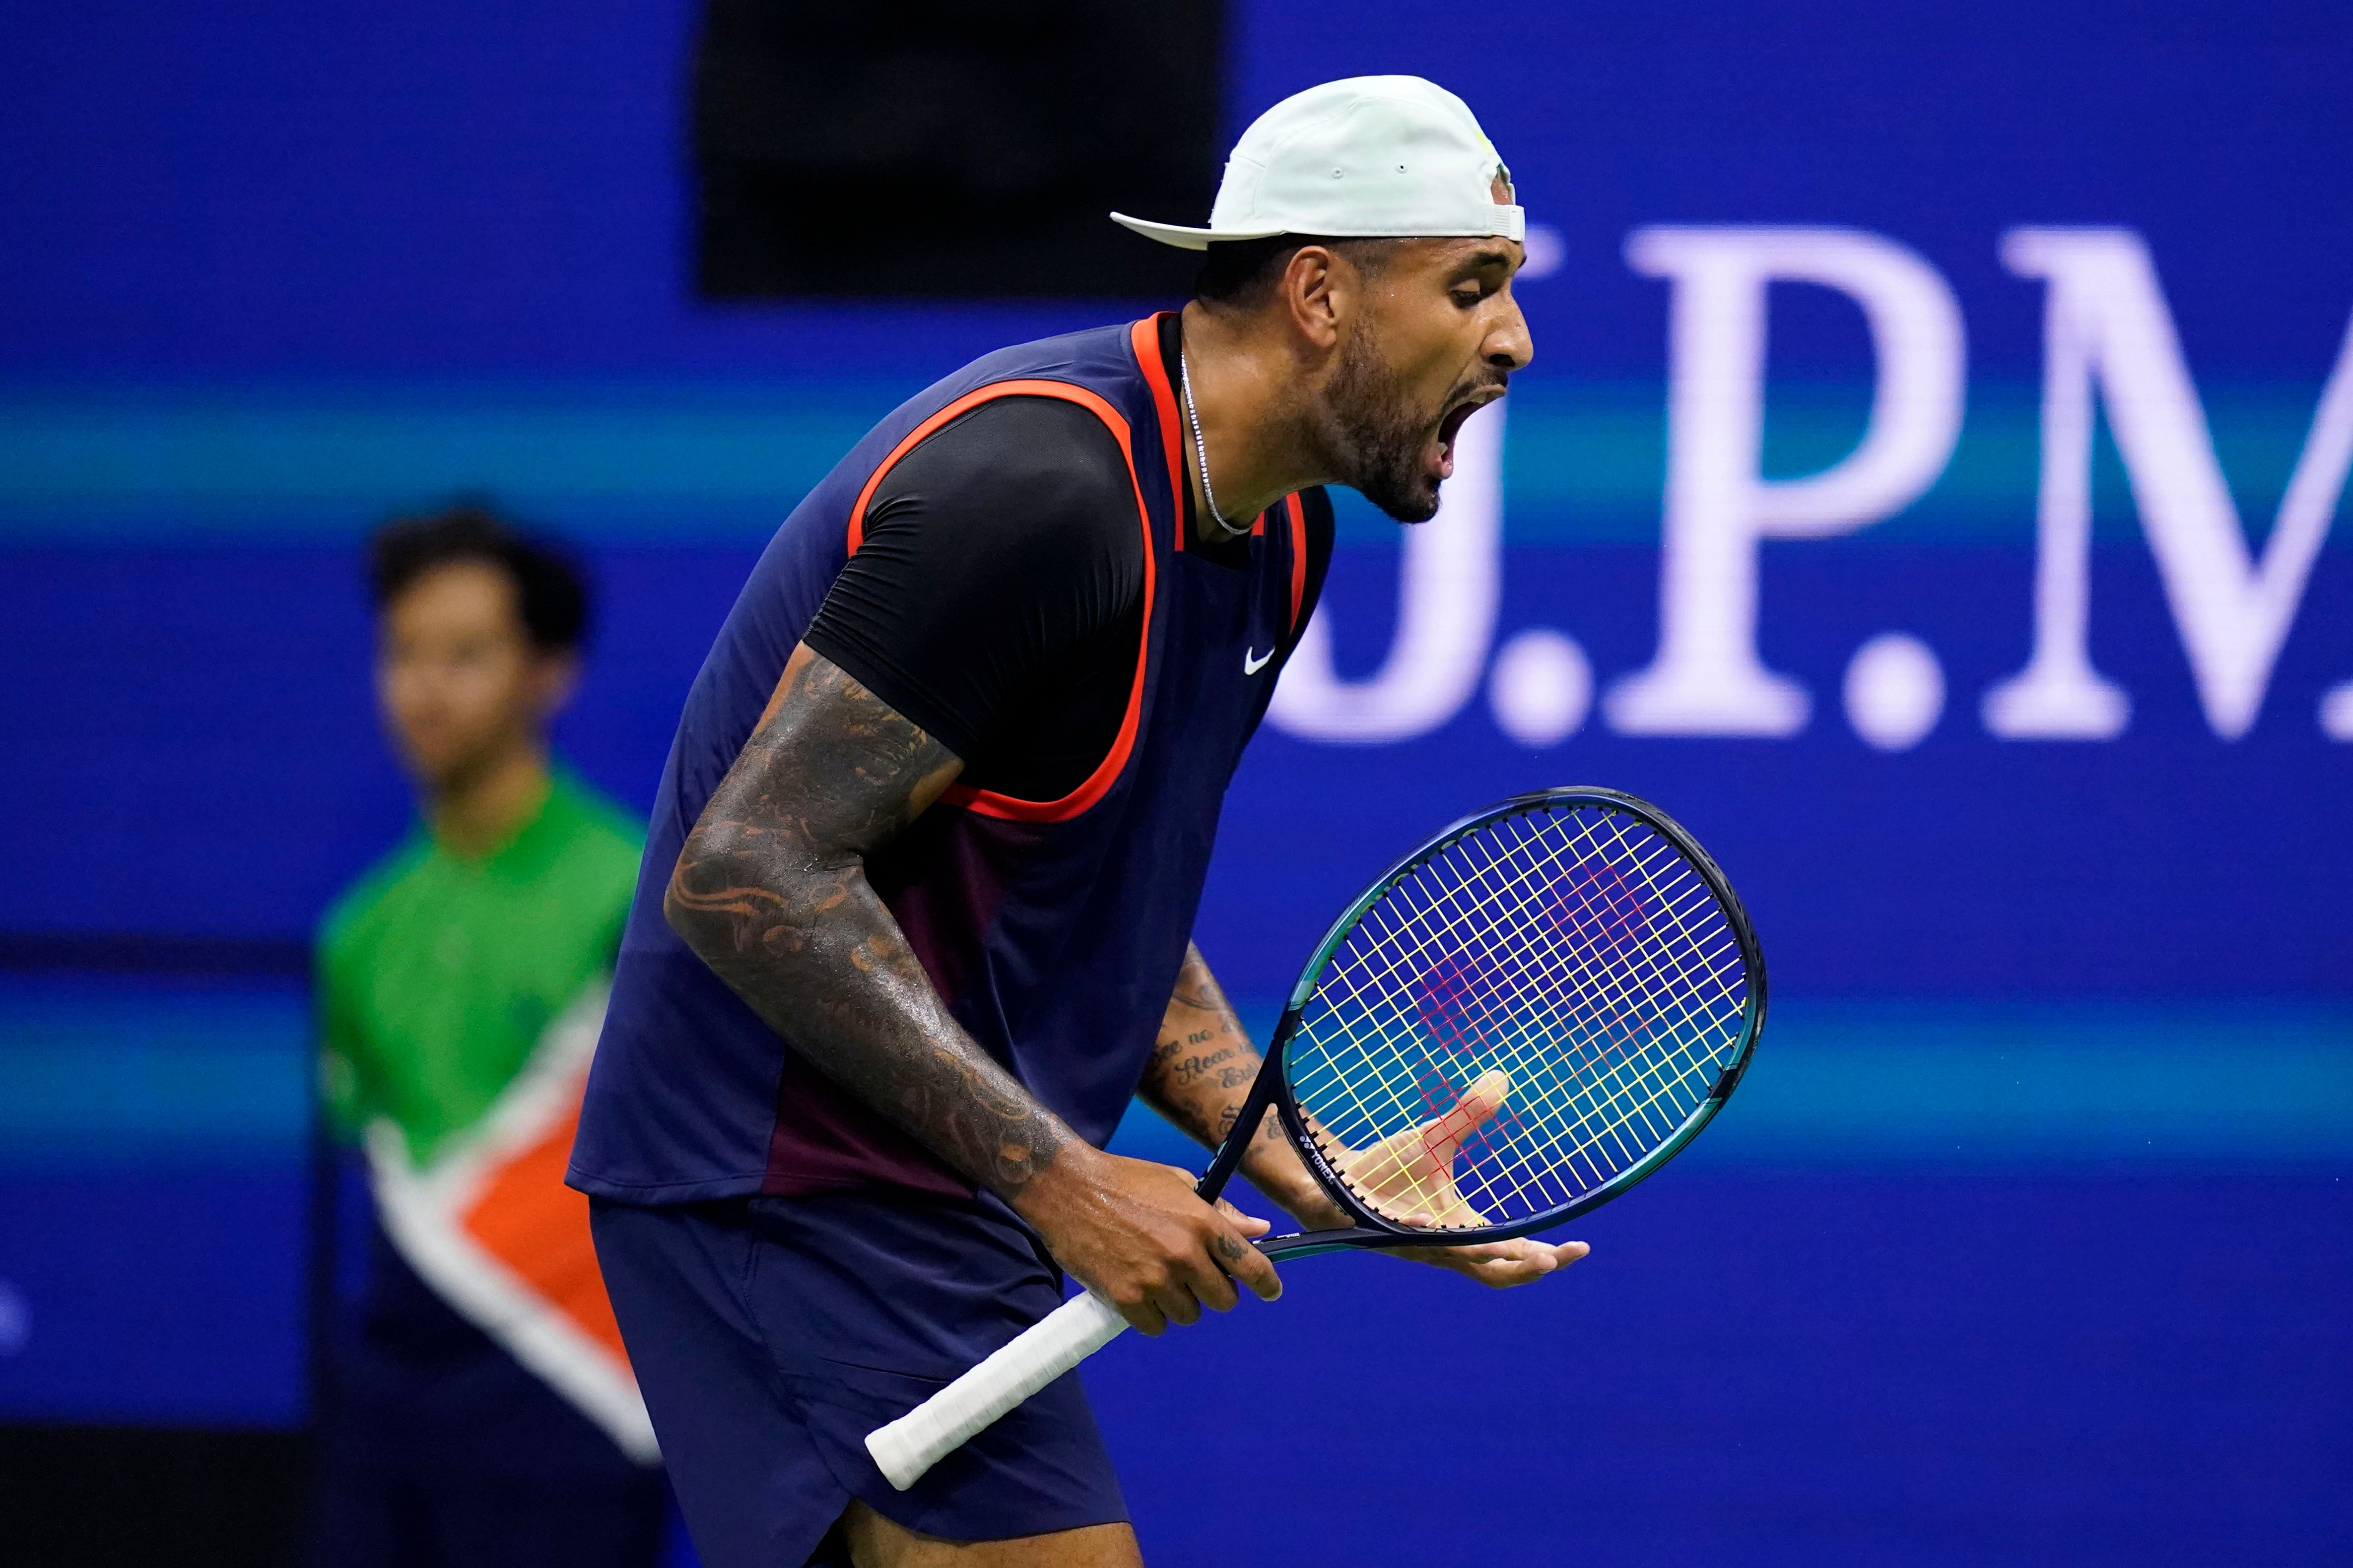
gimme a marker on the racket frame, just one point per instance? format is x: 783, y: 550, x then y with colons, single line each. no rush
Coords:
x: 1271, y: 1090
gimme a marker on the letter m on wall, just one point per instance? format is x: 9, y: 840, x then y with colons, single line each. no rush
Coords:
x: 2106, y: 327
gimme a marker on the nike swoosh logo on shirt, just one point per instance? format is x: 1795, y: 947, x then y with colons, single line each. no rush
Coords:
x: 1252, y: 666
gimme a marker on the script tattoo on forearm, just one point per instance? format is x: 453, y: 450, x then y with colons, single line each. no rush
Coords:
x: 770, y: 890
x: 1202, y: 1069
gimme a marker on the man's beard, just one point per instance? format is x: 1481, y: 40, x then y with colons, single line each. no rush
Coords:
x: 1379, y: 441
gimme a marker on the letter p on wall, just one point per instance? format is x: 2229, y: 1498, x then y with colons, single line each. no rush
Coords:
x: 1706, y: 678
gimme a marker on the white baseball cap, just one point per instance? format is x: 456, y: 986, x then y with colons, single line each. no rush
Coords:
x: 1389, y: 157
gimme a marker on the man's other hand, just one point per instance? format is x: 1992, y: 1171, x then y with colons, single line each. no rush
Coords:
x: 1408, y: 1177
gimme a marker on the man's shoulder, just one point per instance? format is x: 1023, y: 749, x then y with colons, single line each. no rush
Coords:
x: 1098, y: 360
x: 1088, y: 353
x: 1023, y: 439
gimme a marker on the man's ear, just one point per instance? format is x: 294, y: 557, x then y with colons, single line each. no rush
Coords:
x: 1320, y: 290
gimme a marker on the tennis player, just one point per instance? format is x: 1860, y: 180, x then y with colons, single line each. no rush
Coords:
x: 481, y: 1410
x: 915, y: 915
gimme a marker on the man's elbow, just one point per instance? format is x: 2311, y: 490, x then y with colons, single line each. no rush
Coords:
x: 724, y: 903
x: 690, y: 916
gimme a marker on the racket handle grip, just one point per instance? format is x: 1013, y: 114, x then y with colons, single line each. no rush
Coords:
x: 949, y: 1419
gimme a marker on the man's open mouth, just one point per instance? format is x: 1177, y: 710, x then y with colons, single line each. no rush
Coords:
x: 1450, y: 423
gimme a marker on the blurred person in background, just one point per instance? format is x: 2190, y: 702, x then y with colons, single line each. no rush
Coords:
x: 479, y: 1408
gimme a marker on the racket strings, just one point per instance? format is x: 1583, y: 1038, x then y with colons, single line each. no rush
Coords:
x: 1627, y: 1079
x: 1618, y: 995
x: 1510, y: 1140
x: 1615, y: 1080
x: 1637, y: 1082
x: 1615, y: 1005
x: 1572, y: 949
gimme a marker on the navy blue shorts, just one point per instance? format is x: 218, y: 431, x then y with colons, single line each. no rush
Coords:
x: 770, y: 1335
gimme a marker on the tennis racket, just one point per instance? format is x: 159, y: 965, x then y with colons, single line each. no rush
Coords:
x: 1519, y: 1021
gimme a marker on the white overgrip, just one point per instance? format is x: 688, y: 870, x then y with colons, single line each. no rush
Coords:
x: 949, y: 1419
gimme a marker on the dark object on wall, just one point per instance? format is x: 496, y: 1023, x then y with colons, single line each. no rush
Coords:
x: 951, y: 150
x: 154, y: 953
x: 98, y: 1497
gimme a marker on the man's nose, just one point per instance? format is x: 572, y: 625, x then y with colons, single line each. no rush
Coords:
x: 1508, y: 346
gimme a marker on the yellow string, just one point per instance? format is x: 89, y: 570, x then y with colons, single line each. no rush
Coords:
x: 1608, y: 1045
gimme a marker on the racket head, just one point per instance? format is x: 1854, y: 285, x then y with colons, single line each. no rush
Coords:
x: 1576, y: 941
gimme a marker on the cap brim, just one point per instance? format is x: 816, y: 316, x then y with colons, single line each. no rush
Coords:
x: 1186, y: 239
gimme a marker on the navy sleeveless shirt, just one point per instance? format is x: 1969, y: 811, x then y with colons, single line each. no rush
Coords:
x: 1052, y: 930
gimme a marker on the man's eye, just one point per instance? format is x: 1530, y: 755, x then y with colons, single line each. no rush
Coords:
x: 1469, y: 296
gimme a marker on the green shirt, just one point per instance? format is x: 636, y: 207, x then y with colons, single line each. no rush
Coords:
x: 437, y: 975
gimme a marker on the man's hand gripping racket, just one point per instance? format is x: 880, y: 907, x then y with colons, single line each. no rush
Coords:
x: 1519, y: 1021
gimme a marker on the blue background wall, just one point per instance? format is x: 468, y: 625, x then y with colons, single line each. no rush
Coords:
x: 2024, y: 1242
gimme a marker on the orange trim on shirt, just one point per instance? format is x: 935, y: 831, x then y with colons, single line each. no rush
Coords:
x: 1298, y: 557
x: 969, y: 401
x: 1098, y: 782
x: 1143, y: 339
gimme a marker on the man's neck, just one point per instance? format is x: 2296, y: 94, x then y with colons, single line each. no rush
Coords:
x: 1246, y: 395
x: 478, y: 815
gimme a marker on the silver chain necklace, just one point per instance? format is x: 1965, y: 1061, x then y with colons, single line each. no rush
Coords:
x: 1201, y: 450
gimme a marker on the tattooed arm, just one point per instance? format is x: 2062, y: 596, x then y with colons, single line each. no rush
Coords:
x: 1198, y: 1075
x: 770, y: 890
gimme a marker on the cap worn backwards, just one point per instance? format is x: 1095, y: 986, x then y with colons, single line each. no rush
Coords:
x: 1391, y: 157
